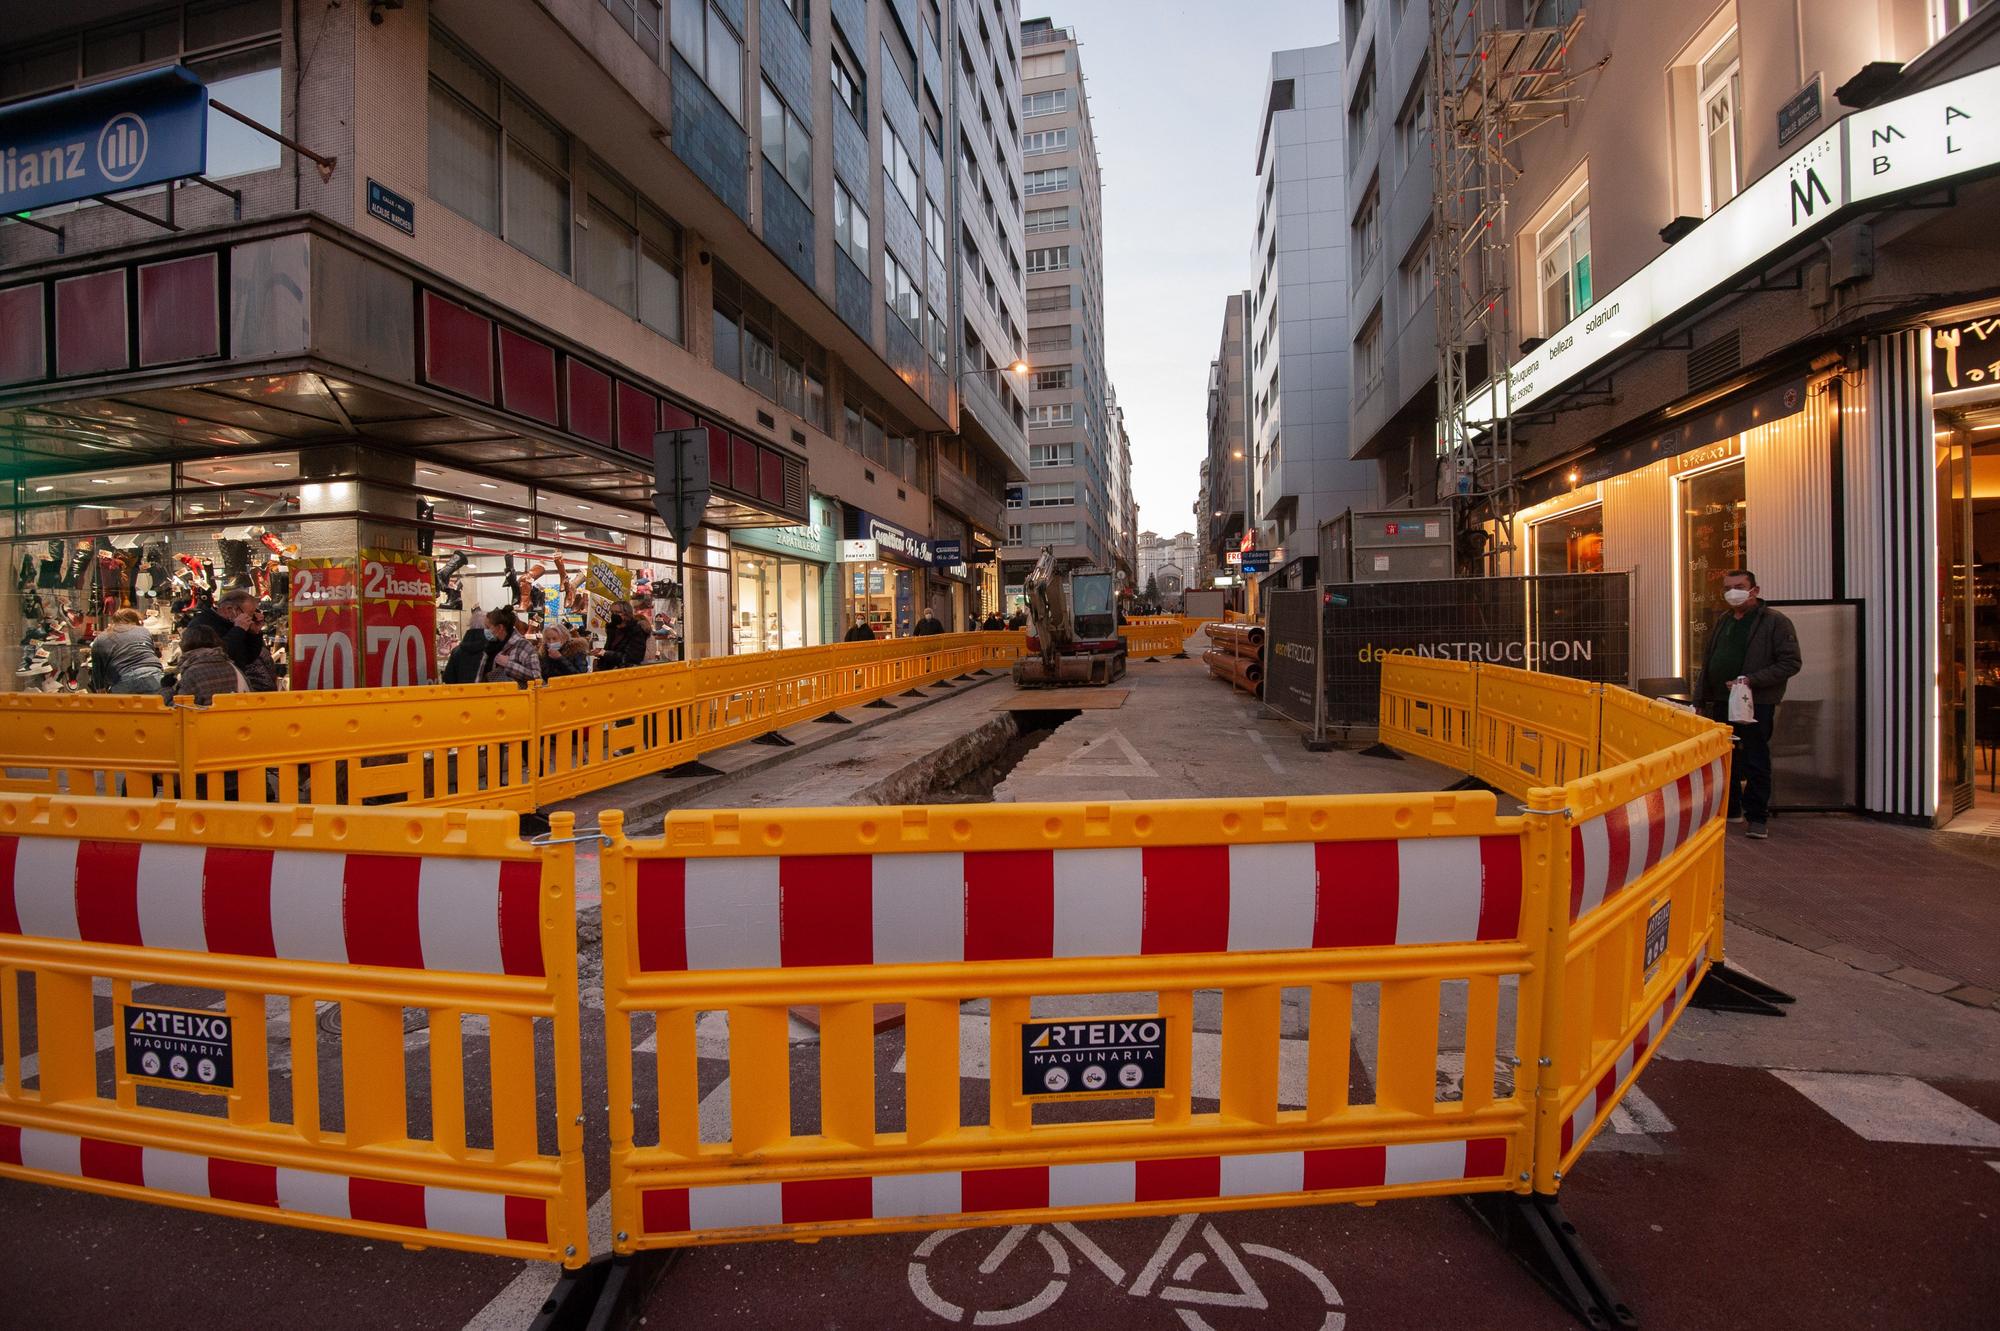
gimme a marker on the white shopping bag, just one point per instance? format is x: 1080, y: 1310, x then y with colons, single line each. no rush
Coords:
x: 1742, y: 708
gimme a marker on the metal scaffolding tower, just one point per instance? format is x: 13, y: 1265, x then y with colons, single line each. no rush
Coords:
x: 1499, y: 69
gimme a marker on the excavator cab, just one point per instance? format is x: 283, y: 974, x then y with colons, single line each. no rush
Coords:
x: 1073, y: 629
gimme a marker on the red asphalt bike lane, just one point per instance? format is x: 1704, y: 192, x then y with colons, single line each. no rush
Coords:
x: 1761, y: 1210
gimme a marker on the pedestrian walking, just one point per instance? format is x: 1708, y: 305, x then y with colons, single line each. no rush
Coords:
x: 1755, y: 646
x: 509, y: 653
x: 927, y: 625
x: 123, y: 658
x: 861, y: 632
x: 992, y: 623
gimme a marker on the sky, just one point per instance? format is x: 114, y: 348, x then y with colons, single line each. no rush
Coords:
x: 1176, y: 100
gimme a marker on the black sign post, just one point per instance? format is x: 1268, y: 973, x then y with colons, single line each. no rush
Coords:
x: 680, y: 496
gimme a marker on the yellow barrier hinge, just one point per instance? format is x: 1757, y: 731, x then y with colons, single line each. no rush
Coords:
x: 551, y: 839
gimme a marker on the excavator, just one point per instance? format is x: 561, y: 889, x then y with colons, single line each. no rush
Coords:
x: 1072, y: 628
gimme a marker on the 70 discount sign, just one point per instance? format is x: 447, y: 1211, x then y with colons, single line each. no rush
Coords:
x: 369, y: 622
x: 325, y: 624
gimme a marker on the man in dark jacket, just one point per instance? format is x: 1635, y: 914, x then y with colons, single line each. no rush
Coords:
x: 625, y: 639
x: 1753, y: 643
x: 927, y: 625
x: 225, y: 615
x: 859, y: 633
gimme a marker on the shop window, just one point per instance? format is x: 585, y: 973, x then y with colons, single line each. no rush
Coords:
x: 1571, y: 542
x: 1714, y: 540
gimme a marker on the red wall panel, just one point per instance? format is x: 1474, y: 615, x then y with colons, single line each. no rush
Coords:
x: 589, y: 401
x: 528, y: 377
x: 458, y: 348
x: 180, y: 310
x: 24, y: 352
x: 92, y: 325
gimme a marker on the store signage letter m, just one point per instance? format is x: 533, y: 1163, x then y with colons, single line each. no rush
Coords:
x: 1808, y: 192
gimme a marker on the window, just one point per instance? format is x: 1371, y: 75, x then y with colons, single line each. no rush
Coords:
x: 486, y: 146
x: 1038, y: 141
x: 1720, y: 78
x: 1055, y: 298
x: 1947, y: 15
x: 900, y: 292
x: 1367, y: 228
x: 1052, y: 455
x: 1051, y: 533
x: 1050, y: 339
x: 938, y: 333
x: 1368, y: 350
x: 1562, y: 261
x: 610, y: 261
x: 1413, y: 127
x: 1042, y: 66
x: 1361, y: 110
x: 1055, y: 376
x: 850, y: 226
x: 1049, y: 415
x: 641, y: 18
x: 934, y: 231
x: 1049, y: 260
x: 1051, y: 494
x: 849, y: 88
x: 800, y: 13
x: 707, y: 42
x: 1714, y: 539
x: 1046, y: 182
x: 1571, y: 542
x: 1044, y: 103
x: 1419, y: 274
x: 898, y: 54
x: 1039, y: 220
x: 897, y: 166
x: 787, y: 145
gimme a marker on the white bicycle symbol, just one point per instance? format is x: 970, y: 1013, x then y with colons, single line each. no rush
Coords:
x: 1247, y: 1294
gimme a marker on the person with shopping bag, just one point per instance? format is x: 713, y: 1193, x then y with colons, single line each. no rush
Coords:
x: 1752, y: 650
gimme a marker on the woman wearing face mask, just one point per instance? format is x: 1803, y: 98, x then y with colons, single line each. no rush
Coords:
x: 510, y: 654
x: 625, y: 638
x: 1750, y: 644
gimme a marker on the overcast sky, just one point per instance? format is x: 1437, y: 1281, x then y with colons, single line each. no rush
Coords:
x: 1176, y: 99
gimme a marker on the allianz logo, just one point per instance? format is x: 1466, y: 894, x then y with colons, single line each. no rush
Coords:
x: 121, y: 151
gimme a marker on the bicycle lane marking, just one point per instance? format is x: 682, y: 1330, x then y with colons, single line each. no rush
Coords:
x: 920, y: 1283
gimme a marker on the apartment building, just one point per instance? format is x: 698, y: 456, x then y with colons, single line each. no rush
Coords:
x: 1228, y: 472
x: 1298, y: 367
x: 1392, y: 297
x: 513, y: 243
x: 1124, y: 508
x: 1750, y: 337
x: 1066, y: 504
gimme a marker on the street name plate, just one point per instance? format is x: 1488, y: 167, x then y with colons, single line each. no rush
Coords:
x: 180, y: 1046
x: 1074, y: 1058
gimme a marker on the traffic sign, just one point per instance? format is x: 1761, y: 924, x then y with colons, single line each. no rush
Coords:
x: 680, y: 480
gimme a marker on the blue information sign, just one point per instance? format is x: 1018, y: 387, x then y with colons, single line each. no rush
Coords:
x: 385, y: 205
x: 1256, y: 561
x: 119, y: 135
x: 944, y: 554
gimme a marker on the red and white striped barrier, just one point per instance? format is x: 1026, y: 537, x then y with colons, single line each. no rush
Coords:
x: 762, y: 912
x: 304, y: 1191
x: 1612, y: 851
x: 1041, y: 1187
x: 1605, y: 1093
x: 424, y: 912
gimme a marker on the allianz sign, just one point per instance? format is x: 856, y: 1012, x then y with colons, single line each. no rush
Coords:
x: 124, y: 134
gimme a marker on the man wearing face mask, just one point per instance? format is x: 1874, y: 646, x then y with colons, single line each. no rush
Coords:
x: 1753, y: 643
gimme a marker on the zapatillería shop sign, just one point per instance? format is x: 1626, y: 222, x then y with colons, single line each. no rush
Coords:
x: 1909, y: 143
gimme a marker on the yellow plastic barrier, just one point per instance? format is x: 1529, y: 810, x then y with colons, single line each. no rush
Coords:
x: 483, y: 746
x: 1532, y: 729
x: 78, y: 744
x: 1426, y: 708
x: 758, y: 916
x: 261, y: 964
x: 1147, y: 638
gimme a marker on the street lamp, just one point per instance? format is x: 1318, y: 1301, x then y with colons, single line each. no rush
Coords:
x: 1019, y: 367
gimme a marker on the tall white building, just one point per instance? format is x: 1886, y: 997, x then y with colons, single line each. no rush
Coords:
x: 1298, y: 329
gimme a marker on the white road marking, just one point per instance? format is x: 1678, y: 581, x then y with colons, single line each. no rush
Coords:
x: 1880, y: 1108
x: 1269, y: 757
x: 974, y: 1047
x: 1092, y: 760
x: 1636, y: 1113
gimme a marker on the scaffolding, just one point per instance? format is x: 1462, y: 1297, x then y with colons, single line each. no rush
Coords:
x: 1499, y: 69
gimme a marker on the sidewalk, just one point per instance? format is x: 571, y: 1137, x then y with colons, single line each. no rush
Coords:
x: 1917, y: 906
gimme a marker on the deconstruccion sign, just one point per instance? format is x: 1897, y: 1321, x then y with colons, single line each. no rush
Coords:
x: 112, y: 136
x: 1913, y: 142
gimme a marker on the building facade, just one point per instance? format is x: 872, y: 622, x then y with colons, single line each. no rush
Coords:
x: 1228, y: 473
x: 1297, y: 327
x: 518, y: 242
x: 1750, y: 338
x: 1392, y: 297
x: 1066, y: 504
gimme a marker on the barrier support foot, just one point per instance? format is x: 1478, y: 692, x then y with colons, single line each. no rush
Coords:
x: 833, y: 719
x: 775, y: 740
x: 605, y: 1294
x: 944, y: 684
x: 1726, y: 989
x: 692, y: 768
x: 911, y: 693
x: 1542, y: 1239
x: 881, y: 702
x: 968, y: 678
